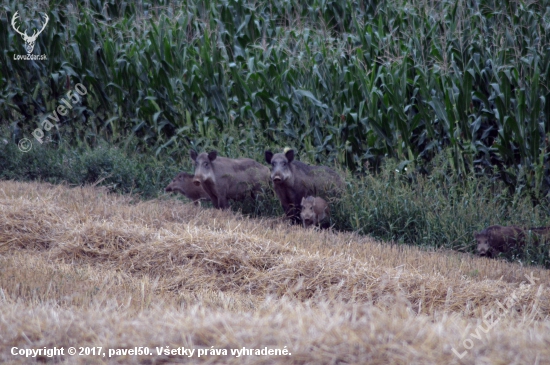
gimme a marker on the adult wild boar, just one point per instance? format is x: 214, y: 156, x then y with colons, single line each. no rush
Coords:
x: 495, y: 239
x: 183, y: 184
x: 294, y: 180
x: 314, y: 211
x: 226, y: 178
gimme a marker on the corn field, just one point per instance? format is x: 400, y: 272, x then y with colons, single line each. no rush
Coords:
x: 344, y: 82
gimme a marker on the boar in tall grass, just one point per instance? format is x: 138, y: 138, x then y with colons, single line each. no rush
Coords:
x: 495, y: 239
x: 183, y: 184
x: 294, y: 180
x: 226, y: 179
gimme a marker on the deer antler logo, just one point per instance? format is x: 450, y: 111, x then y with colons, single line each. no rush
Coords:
x: 29, y: 41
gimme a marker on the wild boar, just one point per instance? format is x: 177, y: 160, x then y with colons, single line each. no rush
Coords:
x: 315, y: 211
x: 226, y: 178
x: 183, y: 184
x: 294, y: 180
x: 495, y: 239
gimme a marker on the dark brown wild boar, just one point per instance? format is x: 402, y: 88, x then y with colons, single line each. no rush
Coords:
x: 226, y: 178
x: 294, y: 180
x: 314, y: 211
x: 183, y: 184
x: 495, y: 239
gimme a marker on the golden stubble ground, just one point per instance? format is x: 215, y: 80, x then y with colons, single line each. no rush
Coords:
x: 80, y: 267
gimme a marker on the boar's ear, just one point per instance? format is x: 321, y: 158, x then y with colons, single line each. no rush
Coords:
x: 193, y: 155
x: 303, y: 200
x: 212, y: 155
x: 289, y: 155
x: 268, y: 156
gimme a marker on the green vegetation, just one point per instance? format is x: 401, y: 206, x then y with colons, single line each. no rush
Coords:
x: 451, y: 94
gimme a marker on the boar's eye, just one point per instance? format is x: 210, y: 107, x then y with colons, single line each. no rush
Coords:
x: 205, y: 164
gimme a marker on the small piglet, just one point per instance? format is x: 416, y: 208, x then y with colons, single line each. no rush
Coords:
x: 314, y: 211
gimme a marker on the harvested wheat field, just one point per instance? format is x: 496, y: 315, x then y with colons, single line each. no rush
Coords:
x: 112, y: 277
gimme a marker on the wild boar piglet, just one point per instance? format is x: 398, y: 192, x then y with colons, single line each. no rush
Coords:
x: 314, y: 211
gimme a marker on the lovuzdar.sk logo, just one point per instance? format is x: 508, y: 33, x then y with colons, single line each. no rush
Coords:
x: 29, y: 40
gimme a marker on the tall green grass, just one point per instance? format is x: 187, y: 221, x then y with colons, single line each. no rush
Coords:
x: 439, y: 209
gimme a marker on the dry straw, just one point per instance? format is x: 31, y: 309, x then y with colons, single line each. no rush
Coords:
x: 81, y: 267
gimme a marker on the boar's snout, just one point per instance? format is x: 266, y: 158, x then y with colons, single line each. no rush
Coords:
x: 276, y: 178
x: 483, y: 249
x: 171, y: 187
x: 484, y: 253
x: 197, y: 182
